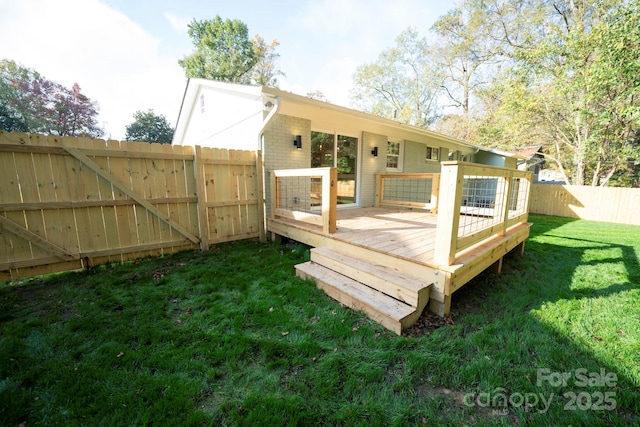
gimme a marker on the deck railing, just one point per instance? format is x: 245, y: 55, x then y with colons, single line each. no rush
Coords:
x: 477, y: 202
x: 308, y: 195
x: 474, y: 202
x: 408, y: 190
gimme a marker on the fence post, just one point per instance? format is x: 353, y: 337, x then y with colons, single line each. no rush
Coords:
x: 203, y: 210
x: 451, y: 181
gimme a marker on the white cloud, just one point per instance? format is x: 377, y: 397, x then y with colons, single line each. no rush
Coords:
x: 115, y: 62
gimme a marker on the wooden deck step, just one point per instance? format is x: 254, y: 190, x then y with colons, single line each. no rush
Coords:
x: 389, y: 312
x: 401, y: 286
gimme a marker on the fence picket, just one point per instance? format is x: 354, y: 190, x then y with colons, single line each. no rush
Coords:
x: 609, y: 204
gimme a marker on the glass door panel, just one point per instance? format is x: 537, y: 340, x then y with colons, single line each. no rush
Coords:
x: 341, y: 152
x: 346, y: 162
x: 322, y: 149
x: 322, y: 155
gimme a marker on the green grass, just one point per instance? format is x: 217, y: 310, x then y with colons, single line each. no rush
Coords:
x: 231, y: 337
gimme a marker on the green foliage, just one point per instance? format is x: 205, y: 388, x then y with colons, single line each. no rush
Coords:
x: 266, y: 72
x: 573, y: 85
x: 32, y: 103
x: 149, y: 127
x: 232, y: 337
x: 401, y: 84
x: 223, y: 51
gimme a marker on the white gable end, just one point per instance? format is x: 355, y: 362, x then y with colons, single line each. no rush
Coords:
x: 220, y: 118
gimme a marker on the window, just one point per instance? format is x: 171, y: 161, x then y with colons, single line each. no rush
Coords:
x: 394, y: 156
x: 202, y: 103
x: 433, y: 153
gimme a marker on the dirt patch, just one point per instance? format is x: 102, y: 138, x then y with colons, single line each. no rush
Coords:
x: 427, y: 323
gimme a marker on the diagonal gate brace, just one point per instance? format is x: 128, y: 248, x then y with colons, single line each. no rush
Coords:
x: 85, y: 160
x: 20, y: 231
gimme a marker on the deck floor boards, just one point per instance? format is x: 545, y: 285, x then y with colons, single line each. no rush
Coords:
x: 404, y: 233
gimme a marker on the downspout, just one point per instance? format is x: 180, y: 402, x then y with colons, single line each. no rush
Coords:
x: 265, y: 122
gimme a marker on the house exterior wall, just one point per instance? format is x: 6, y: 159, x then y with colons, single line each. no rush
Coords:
x: 415, y: 159
x: 222, y: 119
x: 371, y: 166
x: 279, y: 152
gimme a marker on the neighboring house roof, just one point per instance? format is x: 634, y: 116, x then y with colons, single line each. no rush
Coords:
x: 529, y: 152
x: 304, y: 107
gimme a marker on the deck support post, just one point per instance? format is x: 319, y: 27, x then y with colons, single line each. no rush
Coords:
x: 496, y: 267
x: 441, y: 308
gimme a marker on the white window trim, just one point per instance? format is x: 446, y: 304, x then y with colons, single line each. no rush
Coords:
x: 400, y: 167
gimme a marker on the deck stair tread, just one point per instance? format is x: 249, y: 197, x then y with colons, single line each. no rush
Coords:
x: 380, y: 307
x: 401, y: 286
x: 392, y: 298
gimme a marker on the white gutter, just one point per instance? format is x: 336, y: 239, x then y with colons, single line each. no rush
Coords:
x: 265, y: 122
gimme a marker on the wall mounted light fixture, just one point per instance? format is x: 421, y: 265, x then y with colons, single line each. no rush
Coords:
x: 298, y: 142
x: 374, y: 152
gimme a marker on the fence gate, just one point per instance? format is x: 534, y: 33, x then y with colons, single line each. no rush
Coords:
x: 67, y: 203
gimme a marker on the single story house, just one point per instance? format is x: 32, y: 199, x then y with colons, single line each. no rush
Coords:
x: 295, y: 132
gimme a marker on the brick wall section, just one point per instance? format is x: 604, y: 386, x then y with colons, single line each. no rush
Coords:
x: 279, y: 152
x: 371, y: 166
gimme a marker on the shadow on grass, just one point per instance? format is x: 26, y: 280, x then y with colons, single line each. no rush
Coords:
x: 559, y: 325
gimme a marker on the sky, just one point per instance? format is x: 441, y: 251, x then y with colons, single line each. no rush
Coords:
x: 124, y: 53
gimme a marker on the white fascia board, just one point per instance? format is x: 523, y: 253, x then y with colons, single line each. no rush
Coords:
x: 324, y: 115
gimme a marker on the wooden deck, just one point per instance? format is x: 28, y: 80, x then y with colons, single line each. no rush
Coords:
x: 405, y: 241
x: 428, y: 235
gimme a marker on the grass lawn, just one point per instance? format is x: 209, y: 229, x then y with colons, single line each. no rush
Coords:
x: 232, y: 337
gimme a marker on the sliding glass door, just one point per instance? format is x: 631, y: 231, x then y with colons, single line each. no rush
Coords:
x: 341, y: 152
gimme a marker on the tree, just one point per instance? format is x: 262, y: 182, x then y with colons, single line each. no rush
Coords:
x: 223, y: 51
x: 75, y: 114
x: 265, y: 72
x: 464, y: 49
x: 149, y: 127
x: 402, y: 84
x: 32, y: 103
x: 573, y: 85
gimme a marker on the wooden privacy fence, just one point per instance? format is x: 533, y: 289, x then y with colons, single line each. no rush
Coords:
x: 68, y: 203
x: 608, y: 204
